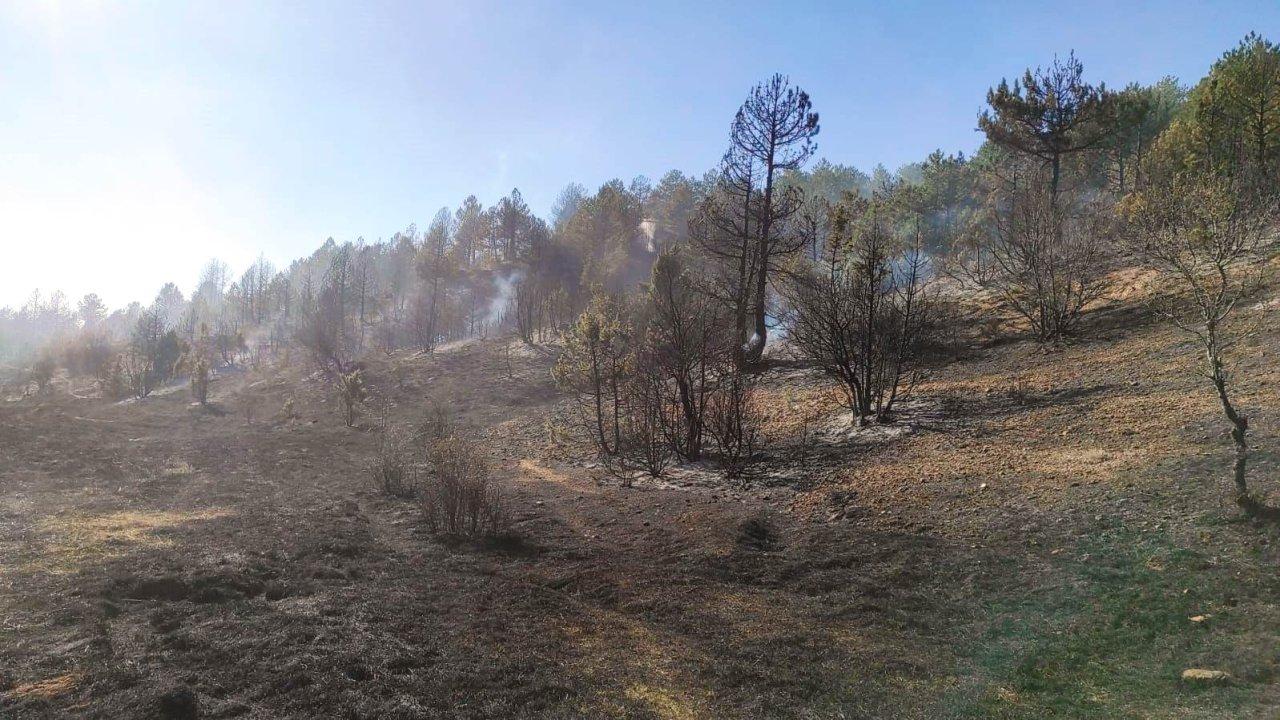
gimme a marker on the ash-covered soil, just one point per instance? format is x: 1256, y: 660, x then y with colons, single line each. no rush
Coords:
x: 1042, y: 533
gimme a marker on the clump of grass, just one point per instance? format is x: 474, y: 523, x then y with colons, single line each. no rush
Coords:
x: 1019, y: 391
x: 288, y: 411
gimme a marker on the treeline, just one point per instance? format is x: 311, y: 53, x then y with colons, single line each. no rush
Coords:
x: 689, y: 276
x: 1074, y: 181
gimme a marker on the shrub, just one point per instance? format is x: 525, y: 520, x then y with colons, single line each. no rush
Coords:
x: 1019, y: 390
x: 392, y: 469
x: 114, y: 383
x: 808, y: 415
x: 248, y: 402
x: 595, y: 365
x: 200, y: 380
x: 861, y: 314
x: 89, y: 354
x: 734, y: 419
x: 352, y: 392
x: 459, y: 497
x: 437, y: 424
x: 135, y: 372
x: 42, y: 371
x: 646, y: 427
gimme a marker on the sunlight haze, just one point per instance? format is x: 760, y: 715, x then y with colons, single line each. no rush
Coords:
x: 138, y: 140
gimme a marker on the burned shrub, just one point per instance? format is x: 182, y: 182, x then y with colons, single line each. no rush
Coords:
x: 733, y: 421
x: 644, y: 426
x: 115, y: 383
x: 42, y: 372
x: 757, y: 534
x: 247, y: 401
x: 198, y: 365
x: 437, y: 424
x: 594, y: 367
x: 392, y: 469
x: 200, y: 380
x: 90, y: 354
x: 861, y: 314
x: 458, y: 495
x: 352, y: 392
x: 288, y: 411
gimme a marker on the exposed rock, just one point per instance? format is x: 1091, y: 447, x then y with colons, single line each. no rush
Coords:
x: 1205, y: 677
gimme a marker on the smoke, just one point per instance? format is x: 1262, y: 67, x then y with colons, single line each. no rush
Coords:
x: 504, y: 290
x: 648, y: 227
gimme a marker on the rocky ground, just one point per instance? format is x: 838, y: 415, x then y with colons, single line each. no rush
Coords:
x: 1042, y: 533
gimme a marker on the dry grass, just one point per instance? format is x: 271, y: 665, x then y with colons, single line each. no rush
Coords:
x: 74, y: 540
x: 276, y: 583
x: 47, y: 689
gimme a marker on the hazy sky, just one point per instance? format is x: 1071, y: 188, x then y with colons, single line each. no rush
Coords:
x: 139, y: 139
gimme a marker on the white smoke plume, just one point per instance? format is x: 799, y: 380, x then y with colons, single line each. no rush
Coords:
x: 504, y: 291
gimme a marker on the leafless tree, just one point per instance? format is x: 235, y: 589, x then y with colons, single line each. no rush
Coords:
x: 861, y: 314
x: 686, y: 346
x: 1051, y: 258
x: 645, y: 426
x: 1047, y: 258
x: 724, y: 227
x: 733, y: 421
x: 1209, y: 238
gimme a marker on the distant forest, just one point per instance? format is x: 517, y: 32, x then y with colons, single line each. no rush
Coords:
x: 1037, y: 216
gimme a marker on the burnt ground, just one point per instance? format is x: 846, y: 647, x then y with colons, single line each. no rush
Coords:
x: 1043, y: 533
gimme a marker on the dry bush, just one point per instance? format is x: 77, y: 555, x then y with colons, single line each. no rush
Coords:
x: 862, y: 313
x: 458, y: 496
x: 89, y: 354
x: 392, y: 469
x: 1019, y: 390
x: 247, y: 400
x: 556, y: 434
x: 807, y: 415
x: 42, y: 371
x: 115, y: 383
x: 734, y: 418
x: 685, y: 346
x: 437, y: 424
x: 136, y: 373
x: 200, y: 380
x: 352, y: 392
x: 645, y: 428
x: 1053, y: 260
x: 248, y: 405
x: 1046, y: 254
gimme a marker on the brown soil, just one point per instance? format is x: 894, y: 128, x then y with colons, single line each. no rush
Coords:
x: 153, y: 545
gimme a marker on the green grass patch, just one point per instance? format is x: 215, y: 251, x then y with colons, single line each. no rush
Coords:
x: 1110, y: 634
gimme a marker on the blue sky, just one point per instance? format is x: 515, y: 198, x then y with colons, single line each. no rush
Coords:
x: 139, y: 139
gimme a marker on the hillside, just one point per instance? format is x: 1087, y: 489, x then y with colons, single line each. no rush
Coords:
x: 1043, y: 533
